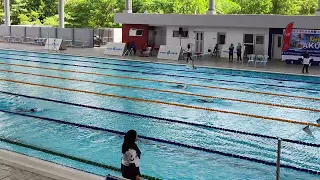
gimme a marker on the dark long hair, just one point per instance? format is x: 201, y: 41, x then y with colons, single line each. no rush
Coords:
x: 130, y: 142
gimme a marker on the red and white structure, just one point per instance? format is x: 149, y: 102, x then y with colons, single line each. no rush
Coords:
x: 261, y: 34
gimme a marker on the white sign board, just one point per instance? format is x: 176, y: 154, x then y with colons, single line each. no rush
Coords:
x: 53, y: 44
x: 169, y: 52
x: 115, y: 49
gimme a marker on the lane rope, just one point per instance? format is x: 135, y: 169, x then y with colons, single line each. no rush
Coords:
x: 166, y: 103
x: 158, y: 68
x: 167, y: 142
x: 162, y: 119
x: 67, y: 156
x: 162, y: 81
x: 166, y: 91
x: 152, y: 73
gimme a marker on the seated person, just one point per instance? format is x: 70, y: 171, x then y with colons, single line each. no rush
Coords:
x: 144, y: 48
x: 133, y: 48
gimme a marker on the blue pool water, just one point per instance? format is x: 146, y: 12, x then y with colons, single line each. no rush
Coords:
x: 39, y: 76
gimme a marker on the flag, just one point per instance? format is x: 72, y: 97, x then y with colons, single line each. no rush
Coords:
x: 286, y: 37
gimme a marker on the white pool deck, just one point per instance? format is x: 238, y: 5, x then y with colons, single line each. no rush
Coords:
x: 275, y: 66
x: 15, y: 166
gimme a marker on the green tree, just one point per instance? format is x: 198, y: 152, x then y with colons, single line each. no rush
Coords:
x: 254, y: 6
x: 307, y: 7
x: 285, y: 7
x: 91, y: 13
x: 227, y: 7
x: 190, y: 6
x: 51, y: 21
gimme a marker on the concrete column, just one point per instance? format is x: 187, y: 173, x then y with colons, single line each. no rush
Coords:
x: 7, y: 12
x: 211, y: 7
x: 61, y: 13
x: 128, y: 7
x: 318, y: 10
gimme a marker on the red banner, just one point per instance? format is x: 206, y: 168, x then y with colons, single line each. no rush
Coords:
x: 287, y: 36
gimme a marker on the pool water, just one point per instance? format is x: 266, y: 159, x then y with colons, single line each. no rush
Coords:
x: 105, y: 93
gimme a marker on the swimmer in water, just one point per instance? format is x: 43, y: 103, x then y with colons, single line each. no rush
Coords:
x: 27, y: 110
x: 204, y: 101
x: 181, y: 86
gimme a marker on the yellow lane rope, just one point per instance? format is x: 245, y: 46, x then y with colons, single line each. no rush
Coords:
x: 166, y: 91
x: 168, y: 82
x: 166, y: 103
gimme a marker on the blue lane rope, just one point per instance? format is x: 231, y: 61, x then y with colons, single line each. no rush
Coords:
x: 167, y: 142
x: 158, y: 68
x: 82, y: 160
x: 161, y: 118
x: 170, y: 75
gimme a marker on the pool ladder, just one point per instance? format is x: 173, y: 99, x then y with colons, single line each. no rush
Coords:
x: 128, y: 53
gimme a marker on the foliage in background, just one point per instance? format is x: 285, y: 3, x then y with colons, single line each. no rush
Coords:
x: 100, y: 13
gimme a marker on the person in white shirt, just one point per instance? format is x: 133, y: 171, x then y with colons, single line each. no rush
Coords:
x: 130, y: 163
x: 306, y: 62
x: 189, y: 54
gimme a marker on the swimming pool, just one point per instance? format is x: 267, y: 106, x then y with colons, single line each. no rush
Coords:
x: 87, y: 103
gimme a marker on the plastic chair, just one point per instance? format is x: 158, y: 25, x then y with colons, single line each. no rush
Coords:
x: 259, y: 59
x: 265, y: 60
x: 251, y: 59
x: 147, y: 52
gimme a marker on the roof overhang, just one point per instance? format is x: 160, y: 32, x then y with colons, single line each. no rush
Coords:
x: 241, y: 21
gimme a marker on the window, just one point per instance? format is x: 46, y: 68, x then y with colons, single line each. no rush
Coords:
x: 184, y: 34
x: 221, y: 38
x: 136, y: 32
x: 248, y: 38
x: 279, y: 41
x: 139, y: 32
x: 259, y: 39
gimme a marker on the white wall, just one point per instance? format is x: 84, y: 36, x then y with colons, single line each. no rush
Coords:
x: 161, y: 36
x: 233, y: 35
x: 117, y: 34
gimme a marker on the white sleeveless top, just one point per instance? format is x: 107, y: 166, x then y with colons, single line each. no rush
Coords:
x: 130, y: 157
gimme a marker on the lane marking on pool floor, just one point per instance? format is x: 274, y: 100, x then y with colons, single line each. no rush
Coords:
x: 151, y: 73
x: 160, y: 119
x: 165, y: 103
x: 165, y: 91
x: 162, y: 81
x: 146, y: 67
x: 151, y: 139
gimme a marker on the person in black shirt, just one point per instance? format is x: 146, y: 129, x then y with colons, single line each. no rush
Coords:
x: 130, y: 163
x: 231, y: 50
x: 239, y: 48
x: 216, y: 50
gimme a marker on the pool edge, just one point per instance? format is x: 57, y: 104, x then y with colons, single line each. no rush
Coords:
x: 44, y: 168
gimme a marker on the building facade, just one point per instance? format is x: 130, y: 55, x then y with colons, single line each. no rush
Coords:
x: 260, y: 34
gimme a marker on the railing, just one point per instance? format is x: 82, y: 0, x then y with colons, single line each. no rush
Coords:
x: 128, y: 53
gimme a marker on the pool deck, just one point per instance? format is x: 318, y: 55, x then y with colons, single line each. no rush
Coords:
x: 14, y: 166
x: 13, y: 173
x: 275, y: 66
